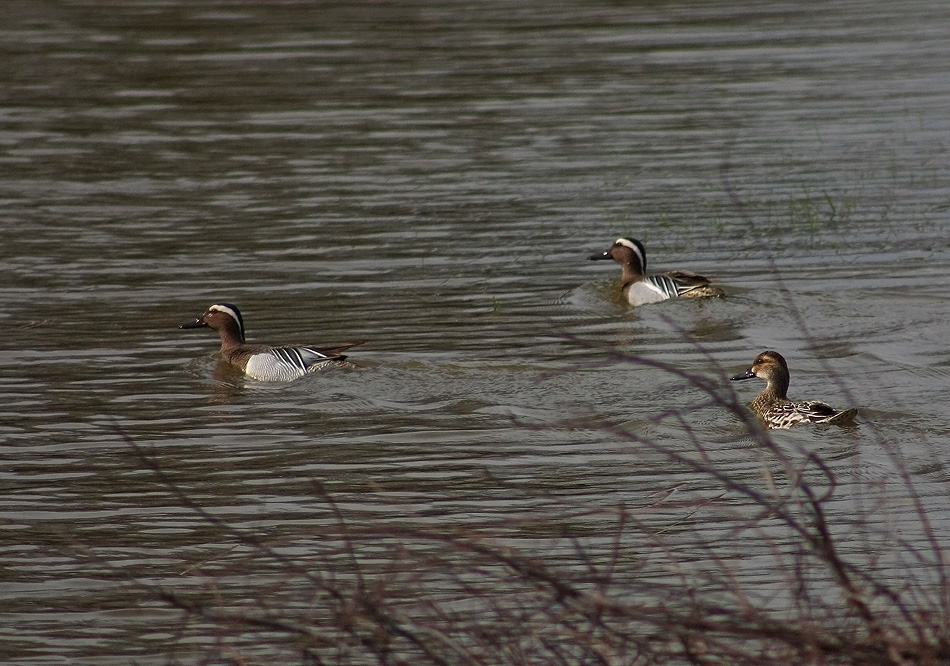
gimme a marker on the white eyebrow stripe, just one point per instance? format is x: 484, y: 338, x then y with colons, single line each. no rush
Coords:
x: 228, y: 311
x: 637, y: 250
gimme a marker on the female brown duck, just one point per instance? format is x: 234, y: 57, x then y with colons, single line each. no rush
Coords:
x: 773, y: 405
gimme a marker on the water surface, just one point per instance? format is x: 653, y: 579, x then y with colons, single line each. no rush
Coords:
x: 432, y: 178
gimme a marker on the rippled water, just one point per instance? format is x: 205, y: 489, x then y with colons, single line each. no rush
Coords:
x: 432, y: 177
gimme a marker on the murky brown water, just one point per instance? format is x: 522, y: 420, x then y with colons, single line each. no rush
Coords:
x: 432, y: 177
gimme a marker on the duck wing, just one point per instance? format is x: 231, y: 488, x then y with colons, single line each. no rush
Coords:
x: 687, y: 278
x: 291, y: 362
x: 844, y: 417
x: 334, y: 350
x: 676, y: 283
x: 304, y: 358
x: 788, y: 414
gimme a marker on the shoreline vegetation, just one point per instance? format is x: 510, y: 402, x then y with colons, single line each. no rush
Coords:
x: 804, y: 567
x: 798, y: 579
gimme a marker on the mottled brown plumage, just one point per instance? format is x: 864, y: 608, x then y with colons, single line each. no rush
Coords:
x: 773, y: 405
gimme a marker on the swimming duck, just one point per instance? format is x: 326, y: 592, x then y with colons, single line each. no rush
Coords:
x: 263, y: 362
x: 640, y: 288
x: 773, y: 405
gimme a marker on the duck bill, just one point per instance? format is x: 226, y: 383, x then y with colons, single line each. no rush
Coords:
x: 197, y: 323
x: 748, y: 374
x: 598, y: 257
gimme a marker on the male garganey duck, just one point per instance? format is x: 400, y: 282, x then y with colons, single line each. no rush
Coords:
x: 640, y: 288
x: 263, y: 362
x: 772, y: 404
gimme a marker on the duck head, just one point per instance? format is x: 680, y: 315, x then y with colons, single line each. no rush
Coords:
x: 220, y: 317
x: 768, y: 365
x: 626, y: 252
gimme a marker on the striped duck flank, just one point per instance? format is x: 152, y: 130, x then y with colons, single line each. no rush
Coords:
x: 264, y: 362
x: 772, y: 404
x: 638, y: 288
